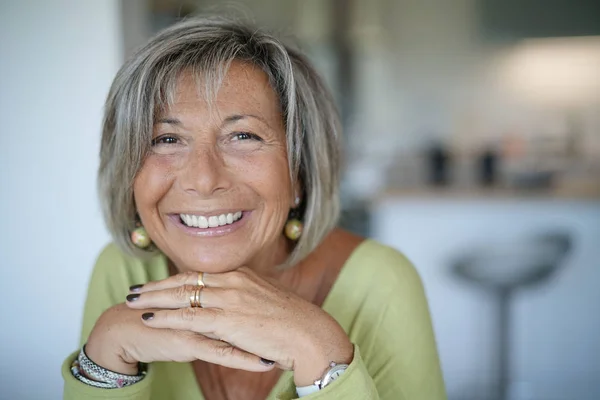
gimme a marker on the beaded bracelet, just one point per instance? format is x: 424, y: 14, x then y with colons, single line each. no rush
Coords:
x: 77, y: 374
x: 102, y: 377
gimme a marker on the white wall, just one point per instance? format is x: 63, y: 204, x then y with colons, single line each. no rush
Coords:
x: 555, y: 326
x: 57, y: 59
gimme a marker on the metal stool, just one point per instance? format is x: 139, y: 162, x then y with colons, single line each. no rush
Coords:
x: 503, y: 269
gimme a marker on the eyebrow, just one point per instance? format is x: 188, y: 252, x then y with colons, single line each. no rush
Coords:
x: 170, y: 121
x: 229, y: 120
x: 237, y: 117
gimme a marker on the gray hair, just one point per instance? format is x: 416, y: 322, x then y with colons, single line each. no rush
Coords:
x: 146, y: 83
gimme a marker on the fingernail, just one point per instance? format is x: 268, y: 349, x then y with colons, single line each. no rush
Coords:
x: 133, y: 297
x: 135, y: 288
x: 148, y: 316
x: 266, y: 362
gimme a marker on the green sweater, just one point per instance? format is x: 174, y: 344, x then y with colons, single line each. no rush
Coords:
x: 377, y: 298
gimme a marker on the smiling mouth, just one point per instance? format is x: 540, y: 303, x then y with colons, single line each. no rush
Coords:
x: 213, y: 221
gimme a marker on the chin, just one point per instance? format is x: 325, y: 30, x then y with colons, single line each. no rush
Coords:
x: 211, y: 259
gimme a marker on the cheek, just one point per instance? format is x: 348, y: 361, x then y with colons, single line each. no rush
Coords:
x: 151, y: 183
x: 275, y: 189
x: 270, y: 178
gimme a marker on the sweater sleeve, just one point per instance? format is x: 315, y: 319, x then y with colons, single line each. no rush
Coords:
x: 395, y: 351
x: 111, y: 277
x: 354, y: 384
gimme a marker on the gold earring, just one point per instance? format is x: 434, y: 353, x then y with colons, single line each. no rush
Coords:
x: 294, y: 227
x: 140, y: 237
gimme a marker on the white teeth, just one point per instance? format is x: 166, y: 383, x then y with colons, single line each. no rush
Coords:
x: 213, y: 222
x: 200, y: 221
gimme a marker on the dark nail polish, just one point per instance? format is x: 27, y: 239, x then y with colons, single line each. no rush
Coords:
x: 266, y: 362
x: 147, y: 316
x: 135, y: 288
x: 133, y: 297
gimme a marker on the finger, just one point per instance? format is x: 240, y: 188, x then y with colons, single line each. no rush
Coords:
x: 184, y: 278
x: 223, y: 353
x: 178, y: 297
x: 209, y: 348
x: 239, y: 278
x: 192, y: 319
x: 181, y: 279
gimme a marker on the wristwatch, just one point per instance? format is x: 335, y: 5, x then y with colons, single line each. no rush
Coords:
x: 335, y: 371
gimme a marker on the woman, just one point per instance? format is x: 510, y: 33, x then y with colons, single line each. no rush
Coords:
x: 219, y: 179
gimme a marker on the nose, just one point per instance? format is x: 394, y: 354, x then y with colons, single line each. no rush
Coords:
x: 204, y: 172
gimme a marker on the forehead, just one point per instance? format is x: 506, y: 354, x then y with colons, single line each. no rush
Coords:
x: 245, y: 88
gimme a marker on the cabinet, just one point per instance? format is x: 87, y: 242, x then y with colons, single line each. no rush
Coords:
x: 519, y: 19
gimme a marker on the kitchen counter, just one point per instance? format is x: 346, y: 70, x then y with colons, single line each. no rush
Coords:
x: 587, y: 191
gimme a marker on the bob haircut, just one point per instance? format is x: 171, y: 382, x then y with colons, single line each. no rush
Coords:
x: 206, y: 46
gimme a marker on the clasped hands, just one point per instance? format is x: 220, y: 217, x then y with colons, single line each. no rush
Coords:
x: 245, y: 322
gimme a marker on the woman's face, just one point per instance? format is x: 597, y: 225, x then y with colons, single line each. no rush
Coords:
x: 214, y: 192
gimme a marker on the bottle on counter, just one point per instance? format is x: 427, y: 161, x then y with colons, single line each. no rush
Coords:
x: 438, y: 163
x: 488, y: 167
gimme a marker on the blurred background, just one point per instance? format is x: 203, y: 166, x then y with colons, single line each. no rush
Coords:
x: 472, y: 132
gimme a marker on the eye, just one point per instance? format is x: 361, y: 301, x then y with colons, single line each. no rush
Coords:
x: 238, y: 136
x: 165, y: 139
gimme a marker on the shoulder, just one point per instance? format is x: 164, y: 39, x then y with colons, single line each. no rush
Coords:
x: 113, y: 260
x: 114, y: 272
x: 385, y: 276
x: 111, y: 255
x: 114, y: 265
x: 365, y: 262
x: 382, y: 263
x: 378, y: 286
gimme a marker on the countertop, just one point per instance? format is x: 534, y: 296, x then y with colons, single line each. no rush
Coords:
x: 587, y: 191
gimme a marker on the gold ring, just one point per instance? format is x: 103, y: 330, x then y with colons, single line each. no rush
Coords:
x: 201, y: 279
x: 198, y: 290
x: 195, y: 297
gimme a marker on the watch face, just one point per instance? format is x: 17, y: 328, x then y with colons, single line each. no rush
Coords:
x: 334, y: 373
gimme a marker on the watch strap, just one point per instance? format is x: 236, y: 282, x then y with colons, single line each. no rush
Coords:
x: 306, y: 390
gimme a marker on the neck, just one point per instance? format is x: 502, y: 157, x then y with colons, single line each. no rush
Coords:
x: 267, y: 262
